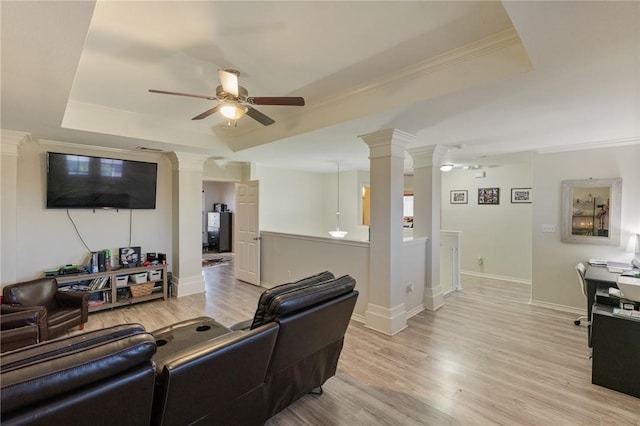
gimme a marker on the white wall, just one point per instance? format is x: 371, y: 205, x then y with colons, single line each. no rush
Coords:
x: 218, y: 192
x: 46, y: 238
x: 500, y: 234
x: 290, y: 201
x: 554, y: 279
x: 289, y: 257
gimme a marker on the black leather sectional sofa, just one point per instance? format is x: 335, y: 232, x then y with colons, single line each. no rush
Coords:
x: 193, y: 372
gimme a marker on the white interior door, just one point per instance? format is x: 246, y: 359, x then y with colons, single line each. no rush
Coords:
x: 247, y: 240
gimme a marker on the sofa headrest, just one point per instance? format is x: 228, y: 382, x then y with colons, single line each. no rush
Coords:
x: 305, y: 297
x: 267, y: 296
x: 49, y: 369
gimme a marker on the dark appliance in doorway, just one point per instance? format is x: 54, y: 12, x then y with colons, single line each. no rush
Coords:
x: 219, y: 231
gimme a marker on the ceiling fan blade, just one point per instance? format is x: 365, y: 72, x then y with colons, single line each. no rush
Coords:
x: 164, y: 92
x: 283, y: 100
x: 229, y: 82
x: 207, y: 113
x: 258, y: 116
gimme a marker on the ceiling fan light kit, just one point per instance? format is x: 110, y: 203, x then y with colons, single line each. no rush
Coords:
x: 235, y: 100
x: 233, y: 111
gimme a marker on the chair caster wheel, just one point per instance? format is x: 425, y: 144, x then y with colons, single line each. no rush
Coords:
x: 577, y: 322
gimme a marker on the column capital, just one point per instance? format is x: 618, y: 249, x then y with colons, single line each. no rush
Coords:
x: 387, y: 142
x: 189, y: 161
x: 427, y: 156
x: 11, y: 141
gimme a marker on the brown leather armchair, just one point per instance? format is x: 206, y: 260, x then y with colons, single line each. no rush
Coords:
x: 64, y: 310
x: 20, y: 328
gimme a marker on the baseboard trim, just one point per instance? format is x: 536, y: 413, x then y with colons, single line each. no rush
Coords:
x: 557, y: 307
x: 496, y: 277
x: 415, y: 311
x: 358, y: 318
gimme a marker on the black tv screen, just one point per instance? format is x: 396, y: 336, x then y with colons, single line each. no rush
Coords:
x: 83, y: 182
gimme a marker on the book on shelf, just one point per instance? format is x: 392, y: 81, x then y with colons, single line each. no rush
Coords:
x: 99, y: 283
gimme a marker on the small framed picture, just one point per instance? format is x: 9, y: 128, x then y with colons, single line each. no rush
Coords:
x: 458, y: 196
x: 520, y: 195
x: 488, y: 195
x: 130, y: 257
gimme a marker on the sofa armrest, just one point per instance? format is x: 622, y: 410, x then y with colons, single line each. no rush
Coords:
x: 21, y: 318
x: 241, y: 326
x: 12, y: 316
x: 50, y: 369
x: 76, y: 299
x: 19, y: 329
x: 19, y: 337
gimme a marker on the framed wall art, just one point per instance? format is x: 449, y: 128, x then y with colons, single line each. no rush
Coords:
x: 488, y: 195
x: 521, y: 195
x: 591, y: 211
x: 458, y: 196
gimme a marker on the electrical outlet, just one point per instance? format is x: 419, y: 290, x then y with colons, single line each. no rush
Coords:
x: 409, y: 288
x: 548, y: 228
x: 480, y: 260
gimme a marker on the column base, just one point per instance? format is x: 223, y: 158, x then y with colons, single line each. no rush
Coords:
x: 433, y: 298
x: 384, y: 320
x: 188, y: 285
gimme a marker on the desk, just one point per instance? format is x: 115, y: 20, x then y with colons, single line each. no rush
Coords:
x: 616, y: 351
x: 597, y: 277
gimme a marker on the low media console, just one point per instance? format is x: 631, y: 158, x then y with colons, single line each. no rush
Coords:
x: 119, y: 287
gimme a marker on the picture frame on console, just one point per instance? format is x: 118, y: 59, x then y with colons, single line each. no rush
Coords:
x: 130, y: 257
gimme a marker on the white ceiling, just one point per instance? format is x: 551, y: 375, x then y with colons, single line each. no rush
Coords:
x: 483, y: 78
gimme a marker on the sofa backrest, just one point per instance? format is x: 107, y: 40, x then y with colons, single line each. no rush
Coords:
x: 313, y: 321
x: 38, y: 292
x: 267, y: 296
x: 105, y: 376
x: 219, y: 381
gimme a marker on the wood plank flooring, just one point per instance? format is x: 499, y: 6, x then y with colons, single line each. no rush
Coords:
x: 486, y: 358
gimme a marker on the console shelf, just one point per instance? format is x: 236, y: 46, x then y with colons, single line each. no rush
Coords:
x: 108, y: 292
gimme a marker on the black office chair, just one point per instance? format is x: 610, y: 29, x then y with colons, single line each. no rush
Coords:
x: 580, y: 270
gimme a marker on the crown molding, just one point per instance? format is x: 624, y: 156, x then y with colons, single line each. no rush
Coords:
x: 609, y: 143
x: 493, y: 44
x: 11, y: 140
x: 50, y: 144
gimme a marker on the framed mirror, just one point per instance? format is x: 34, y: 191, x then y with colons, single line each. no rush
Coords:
x: 591, y: 211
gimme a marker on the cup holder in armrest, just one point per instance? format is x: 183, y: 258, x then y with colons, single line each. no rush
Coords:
x: 185, y: 334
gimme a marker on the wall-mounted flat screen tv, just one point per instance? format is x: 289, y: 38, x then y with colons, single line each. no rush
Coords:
x: 83, y: 182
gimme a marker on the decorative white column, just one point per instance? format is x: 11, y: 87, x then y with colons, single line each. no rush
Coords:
x: 9, y: 144
x: 386, y: 311
x: 187, y: 223
x: 427, y: 191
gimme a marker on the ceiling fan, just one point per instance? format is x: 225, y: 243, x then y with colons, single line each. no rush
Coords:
x: 234, y: 100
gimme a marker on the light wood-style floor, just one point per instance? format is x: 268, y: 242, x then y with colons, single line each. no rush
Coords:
x: 486, y: 358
